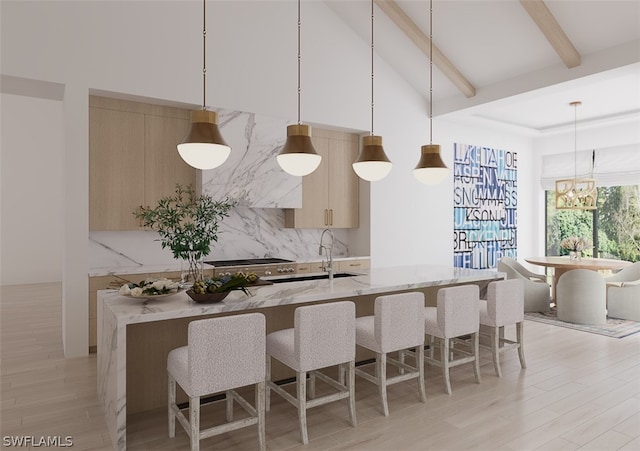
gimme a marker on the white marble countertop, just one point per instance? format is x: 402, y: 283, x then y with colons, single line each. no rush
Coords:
x: 374, y: 281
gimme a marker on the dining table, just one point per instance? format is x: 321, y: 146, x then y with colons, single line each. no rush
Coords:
x: 562, y: 264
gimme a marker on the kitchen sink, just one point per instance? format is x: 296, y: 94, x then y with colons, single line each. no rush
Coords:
x: 301, y: 278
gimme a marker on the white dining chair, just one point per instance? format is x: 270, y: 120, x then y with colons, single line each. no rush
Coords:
x: 581, y: 297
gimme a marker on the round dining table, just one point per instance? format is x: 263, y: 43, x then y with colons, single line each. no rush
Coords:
x: 563, y: 264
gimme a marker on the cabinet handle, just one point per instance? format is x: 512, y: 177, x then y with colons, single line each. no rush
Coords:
x: 331, y: 216
x: 326, y: 217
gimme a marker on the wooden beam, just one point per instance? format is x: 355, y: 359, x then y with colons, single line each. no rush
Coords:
x: 550, y: 27
x: 408, y: 26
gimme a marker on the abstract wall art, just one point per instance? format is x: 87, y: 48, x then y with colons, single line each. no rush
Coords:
x: 485, y: 201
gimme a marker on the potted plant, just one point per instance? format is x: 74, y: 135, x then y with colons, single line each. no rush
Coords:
x: 187, y: 224
x: 575, y: 245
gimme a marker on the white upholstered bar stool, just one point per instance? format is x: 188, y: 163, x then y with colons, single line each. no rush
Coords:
x: 323, y: 335
x: 457, y: 315
x: 504, y: 307
x: 222, y: 354
x: 397, y: 324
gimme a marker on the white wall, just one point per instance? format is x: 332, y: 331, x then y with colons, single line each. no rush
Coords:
x: 32, y: 146
x: 153, y: 49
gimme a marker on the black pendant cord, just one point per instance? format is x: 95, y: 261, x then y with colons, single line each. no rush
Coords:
x: 299, y: 57
x: 204, y: 55
x: 372, y: 103
x: 575, y: 141
x: 430, y: 72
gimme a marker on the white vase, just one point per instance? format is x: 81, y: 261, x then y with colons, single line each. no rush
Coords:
x: 575, y: 256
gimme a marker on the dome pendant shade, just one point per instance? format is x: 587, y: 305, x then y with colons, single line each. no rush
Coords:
x: 430, y: 170
x: 372, y: 163
x: 298, y: 156
x: 203, y: 146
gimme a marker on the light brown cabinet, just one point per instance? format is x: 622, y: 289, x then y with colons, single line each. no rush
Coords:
x: 338, y: 266
x: 354, y: 265
x: 133, y: 159
x: 330, y: 193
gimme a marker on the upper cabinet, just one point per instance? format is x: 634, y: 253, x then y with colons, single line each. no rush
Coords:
x: 330, y: 193
x: 133, y: 159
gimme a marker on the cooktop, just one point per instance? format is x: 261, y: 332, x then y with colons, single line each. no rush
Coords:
x: 248, y: 261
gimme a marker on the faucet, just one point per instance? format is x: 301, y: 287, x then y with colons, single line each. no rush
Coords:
x: 328, y: 253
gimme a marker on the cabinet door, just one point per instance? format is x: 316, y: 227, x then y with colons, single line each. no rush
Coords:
x: 163, y: 165
x: 330, y: 193
x: 315, y: 195
x: 116, y: 168
x: 133, y: 159
x: 343, y: 183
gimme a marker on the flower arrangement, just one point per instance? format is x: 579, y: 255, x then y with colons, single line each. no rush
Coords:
x: 575, y: 244
x: 149, y: 287
x: 187, y: 224
x: 237, y: 281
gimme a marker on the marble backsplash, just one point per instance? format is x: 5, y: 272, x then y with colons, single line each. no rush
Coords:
x: 246, y: 233
x: 251, y: 176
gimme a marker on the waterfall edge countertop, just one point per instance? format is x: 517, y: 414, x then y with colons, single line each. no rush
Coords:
x: 373, y: 281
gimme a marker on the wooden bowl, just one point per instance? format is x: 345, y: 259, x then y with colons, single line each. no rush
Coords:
x: 207, y: 298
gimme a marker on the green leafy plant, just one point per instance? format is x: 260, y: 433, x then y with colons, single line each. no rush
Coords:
x: 186, y: 223
x: 237, y: 281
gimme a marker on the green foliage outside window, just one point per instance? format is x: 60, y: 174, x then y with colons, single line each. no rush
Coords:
x: 617, y: 224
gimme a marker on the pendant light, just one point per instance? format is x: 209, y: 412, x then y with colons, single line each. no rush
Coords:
x: 430, y: 170
x: 203, y: 147
x: 298, y: 157
x: 372, y: 163
x: 577, y: 193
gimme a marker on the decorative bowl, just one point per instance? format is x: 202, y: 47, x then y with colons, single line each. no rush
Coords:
x: 146, y: 297
x: 207, y: 298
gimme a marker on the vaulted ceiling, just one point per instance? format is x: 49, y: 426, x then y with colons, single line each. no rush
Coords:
x: 512, y: 62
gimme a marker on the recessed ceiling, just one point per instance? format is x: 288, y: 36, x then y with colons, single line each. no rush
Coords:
x: 519, y: 78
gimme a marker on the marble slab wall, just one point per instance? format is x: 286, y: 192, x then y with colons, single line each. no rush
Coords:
x: 251, y: 176
x: 246, y: 233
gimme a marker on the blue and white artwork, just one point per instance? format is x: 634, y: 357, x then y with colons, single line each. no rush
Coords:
x: 485, y: 202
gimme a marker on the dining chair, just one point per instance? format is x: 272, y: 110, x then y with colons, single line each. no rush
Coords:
x: 581, y: 297
x: 537, y: 292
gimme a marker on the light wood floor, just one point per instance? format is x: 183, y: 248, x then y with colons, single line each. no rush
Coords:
x: 580, y: 391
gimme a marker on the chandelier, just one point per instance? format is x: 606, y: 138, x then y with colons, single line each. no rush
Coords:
x: 576, y: 193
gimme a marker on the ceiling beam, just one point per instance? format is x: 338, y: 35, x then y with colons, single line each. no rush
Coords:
x: 552, y: 30
x: 408, y: 26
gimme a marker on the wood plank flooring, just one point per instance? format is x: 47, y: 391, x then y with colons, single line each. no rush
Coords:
x: 580, y: 391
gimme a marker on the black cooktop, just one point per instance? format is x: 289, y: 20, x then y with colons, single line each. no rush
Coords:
x: 247, y: 261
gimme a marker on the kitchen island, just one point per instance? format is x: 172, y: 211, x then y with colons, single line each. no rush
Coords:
x: 135, y: 336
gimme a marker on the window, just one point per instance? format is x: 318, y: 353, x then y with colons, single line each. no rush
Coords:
x: 614, y: 227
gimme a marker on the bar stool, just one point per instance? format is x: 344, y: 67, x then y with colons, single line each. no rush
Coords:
x: 397, y: 324
x: 222, y: 354
x: 457, y: 315
x: 504, y: 307
x: 323, y: 335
